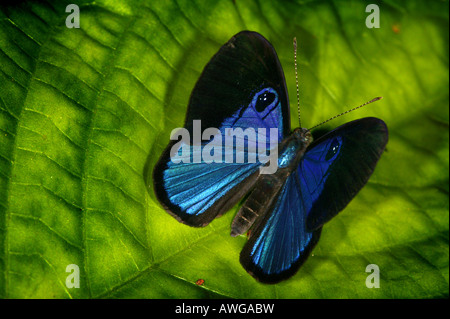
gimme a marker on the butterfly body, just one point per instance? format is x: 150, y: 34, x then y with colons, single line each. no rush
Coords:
x: 267, y: 186
x: 243, y: 87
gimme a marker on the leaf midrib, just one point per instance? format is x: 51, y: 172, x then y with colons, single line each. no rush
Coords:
x: 85, y: 176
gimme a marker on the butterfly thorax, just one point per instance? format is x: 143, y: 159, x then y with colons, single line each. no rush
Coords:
x: 292, y: 149
x: 303, y: 134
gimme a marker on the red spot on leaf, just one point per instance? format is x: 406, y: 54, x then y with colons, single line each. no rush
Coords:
x: 200, y: 282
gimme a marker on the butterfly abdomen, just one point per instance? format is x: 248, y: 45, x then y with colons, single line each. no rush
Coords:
x: 258, y: 203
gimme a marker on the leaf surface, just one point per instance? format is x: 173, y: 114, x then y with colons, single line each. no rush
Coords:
x: 85, y: 114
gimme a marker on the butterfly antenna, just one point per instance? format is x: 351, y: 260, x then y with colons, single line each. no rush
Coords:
x: 355, y: 108
x: 296, y: 81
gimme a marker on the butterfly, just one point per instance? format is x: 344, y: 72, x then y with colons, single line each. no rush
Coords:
x: 243, y: 86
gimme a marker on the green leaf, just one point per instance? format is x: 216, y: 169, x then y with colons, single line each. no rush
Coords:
x: 85, y: 114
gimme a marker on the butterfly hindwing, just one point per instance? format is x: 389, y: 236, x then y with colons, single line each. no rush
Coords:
x: 241, y: 87
x: 280, y: 243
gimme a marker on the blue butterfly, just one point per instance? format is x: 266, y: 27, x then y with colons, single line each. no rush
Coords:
x: 243, y: 86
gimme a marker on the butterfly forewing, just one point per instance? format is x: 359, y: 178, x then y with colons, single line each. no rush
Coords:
x: 242, y: 87
x: 339, y: 164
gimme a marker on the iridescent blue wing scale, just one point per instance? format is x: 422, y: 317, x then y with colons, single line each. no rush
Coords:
x: 243, y: 86
x: 193, y: 189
